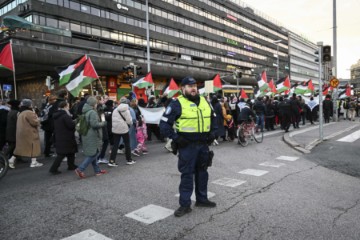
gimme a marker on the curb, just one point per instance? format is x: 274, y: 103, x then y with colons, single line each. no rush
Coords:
x: 292, y: 143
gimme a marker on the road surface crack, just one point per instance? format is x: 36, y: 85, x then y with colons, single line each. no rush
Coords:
x: 345, y: 211
x: 248, y: 223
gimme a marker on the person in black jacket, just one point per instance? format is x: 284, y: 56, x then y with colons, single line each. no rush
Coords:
x: 4, y: 110
x: 269, y: 114
x: 64, y: 136
x: 328, y: 108
x: 11, y: 126
x: 48, y: 125
x: 285, y: 112
x: 295, y: 106
x: 260, y: 109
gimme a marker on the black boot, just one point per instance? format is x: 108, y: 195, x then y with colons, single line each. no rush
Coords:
x: 205, y: 204
x: 181, y: 211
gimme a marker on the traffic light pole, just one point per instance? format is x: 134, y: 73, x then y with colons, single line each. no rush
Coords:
x: 335, y: 92
x: 321, y: 133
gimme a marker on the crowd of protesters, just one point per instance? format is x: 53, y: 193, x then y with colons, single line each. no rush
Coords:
x: 120, y: 128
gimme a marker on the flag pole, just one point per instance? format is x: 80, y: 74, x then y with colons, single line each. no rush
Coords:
x: 91, y: 88
x: 102, y: 88
x: 14, y: 75
x: 2, y: 94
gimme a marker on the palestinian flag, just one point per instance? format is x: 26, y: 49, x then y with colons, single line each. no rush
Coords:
x: 272, y: 86
x: 310, y: 86
x: 172, y: 89
x: 243, y: 94
x: 262, y: 82
x: 325, y: 89
x: 6, y: 57
x: 66, y: 71
x: 284, y: 85
x: 144, y: 82
x: 348, y: 90
x: 301, y: 89
x: 82, y: 76
x: 217, y: 83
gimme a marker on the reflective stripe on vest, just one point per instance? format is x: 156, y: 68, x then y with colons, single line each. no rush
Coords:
x: 194, y: 119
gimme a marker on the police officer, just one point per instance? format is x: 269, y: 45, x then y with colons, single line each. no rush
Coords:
x: 195, y: 127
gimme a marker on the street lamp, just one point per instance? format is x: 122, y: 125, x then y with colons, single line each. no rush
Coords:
x: 277, y: 58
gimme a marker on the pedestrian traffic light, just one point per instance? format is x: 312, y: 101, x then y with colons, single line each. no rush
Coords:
x: 326, y: 53
x: 317, y: 58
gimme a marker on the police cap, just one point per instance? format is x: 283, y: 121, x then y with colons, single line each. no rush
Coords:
x: 188, y: 81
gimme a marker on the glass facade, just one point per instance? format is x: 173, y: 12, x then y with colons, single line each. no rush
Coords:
x: 221, y: 38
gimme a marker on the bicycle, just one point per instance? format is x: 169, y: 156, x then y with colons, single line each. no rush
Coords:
x: 4, y: 165
x: 248, y: 131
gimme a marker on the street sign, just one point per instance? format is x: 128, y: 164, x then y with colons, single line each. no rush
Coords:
x: 334, y: 82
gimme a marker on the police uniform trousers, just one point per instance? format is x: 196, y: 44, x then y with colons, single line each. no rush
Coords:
x: 193, y: 160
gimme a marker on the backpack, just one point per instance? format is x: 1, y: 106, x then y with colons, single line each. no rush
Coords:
x: 82, y: 125
x: 44, y: 114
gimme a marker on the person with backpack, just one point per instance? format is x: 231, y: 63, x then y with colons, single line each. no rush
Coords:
x: 91, y: 137
x: 352, y: 109
x: 47, y: 124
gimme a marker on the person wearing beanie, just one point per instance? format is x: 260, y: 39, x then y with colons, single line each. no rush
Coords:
x: 27, y: 135
x: 92, y: 141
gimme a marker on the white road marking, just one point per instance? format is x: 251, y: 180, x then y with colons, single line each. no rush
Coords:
x: 254, y: 172
x: 150, y: 214
x: 351, y: 137
x: 229, y: 182
x: 287, y: 158
x: 193, y: 197
x: 272, y: 164
x: 88, y: 234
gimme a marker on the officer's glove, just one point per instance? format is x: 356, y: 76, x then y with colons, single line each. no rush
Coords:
x: 181, y: 142
x: 210, y: 139
x: 174, y: 147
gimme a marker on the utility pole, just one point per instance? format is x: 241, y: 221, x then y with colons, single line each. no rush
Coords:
x: 335, y: 92
x: 321, y: 134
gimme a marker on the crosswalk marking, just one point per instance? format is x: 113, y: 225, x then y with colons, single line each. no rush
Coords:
x: 229, y: 182
x: 272, y: 164
x: 193, y: 197
x: 88, y: 234
x: 351, y: 137
x: 150, y: 214
x: 287, y: 158
x: 254, y: 172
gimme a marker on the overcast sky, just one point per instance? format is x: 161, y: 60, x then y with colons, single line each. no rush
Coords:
x: 314, y: 19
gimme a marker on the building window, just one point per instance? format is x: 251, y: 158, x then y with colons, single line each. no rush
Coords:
x: 75, y: 6
x: 51, y: 22
x: 85, y: 8
x: 75, y: 27
x: 64, y: 25
x: 95, y: 11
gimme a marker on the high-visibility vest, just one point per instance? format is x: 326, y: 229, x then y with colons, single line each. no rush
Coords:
x: 194, y: 119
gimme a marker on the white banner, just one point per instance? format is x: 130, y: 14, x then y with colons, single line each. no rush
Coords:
x: 152, y: 115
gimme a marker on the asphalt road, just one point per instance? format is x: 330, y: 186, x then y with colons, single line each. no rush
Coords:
x: 299, y: 199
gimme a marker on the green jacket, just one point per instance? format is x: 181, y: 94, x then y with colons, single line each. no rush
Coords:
x: 92, y: 142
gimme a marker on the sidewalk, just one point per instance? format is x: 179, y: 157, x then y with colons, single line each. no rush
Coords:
x: 307, y: 138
